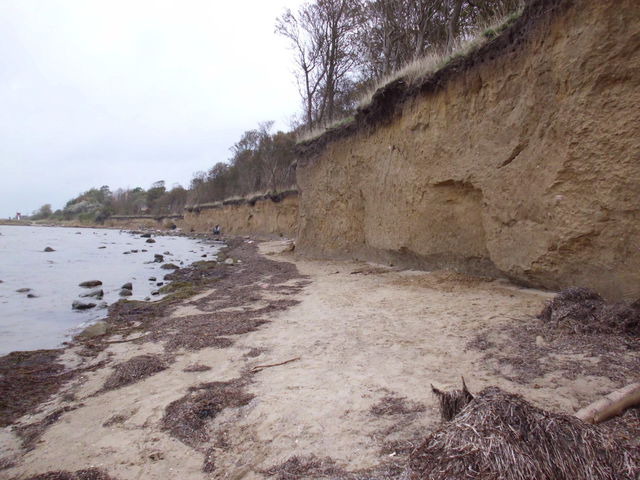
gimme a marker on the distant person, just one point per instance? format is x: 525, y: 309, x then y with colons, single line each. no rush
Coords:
x: 217, y: 231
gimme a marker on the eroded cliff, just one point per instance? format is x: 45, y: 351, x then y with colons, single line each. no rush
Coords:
x: 268, y: 216
x: 523, y: 160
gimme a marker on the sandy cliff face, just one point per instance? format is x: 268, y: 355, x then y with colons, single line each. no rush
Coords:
x: 263, y: 217
x: 525, y: 164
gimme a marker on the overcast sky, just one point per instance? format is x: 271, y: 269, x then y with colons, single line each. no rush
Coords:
x: 127, y: 92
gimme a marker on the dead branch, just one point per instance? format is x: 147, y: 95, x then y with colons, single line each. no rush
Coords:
x: 257, y: 368
x: 611, y: 405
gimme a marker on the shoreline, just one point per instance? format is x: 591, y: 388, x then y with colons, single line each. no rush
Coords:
x: 48, y: 322
x: 283, y: 359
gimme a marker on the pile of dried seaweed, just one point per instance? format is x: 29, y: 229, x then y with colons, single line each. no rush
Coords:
x: 584, y: 311
x: 501, y: 436
x: 134, y: 370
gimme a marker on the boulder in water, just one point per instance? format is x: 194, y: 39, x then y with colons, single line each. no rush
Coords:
x: 90, y: 283
x: 150, y: 240
x: 170, y: 266
x: 127, y: 286
x: 158, y: 258
x: 125, y: 292
x: 49, y: 249
x: 80, y: 305
x: 98, y: 293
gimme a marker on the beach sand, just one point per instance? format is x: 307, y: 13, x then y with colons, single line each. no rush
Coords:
x: 342, y: 369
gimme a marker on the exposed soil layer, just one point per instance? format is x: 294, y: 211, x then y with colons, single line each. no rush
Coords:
x: 388, y: 101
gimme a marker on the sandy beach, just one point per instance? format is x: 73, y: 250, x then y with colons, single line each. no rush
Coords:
x: 282, y: 367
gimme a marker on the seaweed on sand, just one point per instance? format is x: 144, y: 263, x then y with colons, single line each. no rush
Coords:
x: 186, y: 418
x: 582, y: 310
x: 135, y: 369
x: 26, y: 380
x: 86, y: 474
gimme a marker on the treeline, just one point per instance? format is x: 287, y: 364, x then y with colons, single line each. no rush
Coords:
x: 342, y: 48
x: 261, y: 161
x: 98, y: 204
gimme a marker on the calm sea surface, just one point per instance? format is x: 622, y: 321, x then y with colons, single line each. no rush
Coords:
x: 47, y: 320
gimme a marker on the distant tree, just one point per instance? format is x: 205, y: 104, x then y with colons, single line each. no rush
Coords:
x: 43, y: 212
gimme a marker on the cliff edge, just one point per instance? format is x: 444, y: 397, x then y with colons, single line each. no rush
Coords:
x: 522, y: 160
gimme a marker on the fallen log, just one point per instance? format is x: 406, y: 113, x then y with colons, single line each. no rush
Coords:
x: 611, y: 405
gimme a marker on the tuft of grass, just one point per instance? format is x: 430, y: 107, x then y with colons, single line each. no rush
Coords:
x: 438, y: 58
x: 322, y: 129
x: 421, y: 68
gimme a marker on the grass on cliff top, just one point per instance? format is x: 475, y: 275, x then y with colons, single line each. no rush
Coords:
x: 418, y: 70
x: 247, y: 197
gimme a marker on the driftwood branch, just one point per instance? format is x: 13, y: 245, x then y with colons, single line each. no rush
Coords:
x: 612, y: 405
x: 257, y: 368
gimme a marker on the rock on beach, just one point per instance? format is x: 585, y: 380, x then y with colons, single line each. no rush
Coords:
x: 90, y: 283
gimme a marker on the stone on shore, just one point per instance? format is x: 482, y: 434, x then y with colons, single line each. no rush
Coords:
x: 49, y: 249
x: 158, y: 258
x: 170, y: 266
x: 145, y: 235
x: 150, y: 240
x: 95, y: 330
x: 98, y: 293
x: 127, y: 286
x: 125, y: 292
x: 152, y: 279
x: 90, y: 283
x: 23, y: 290
x: 80, y: 305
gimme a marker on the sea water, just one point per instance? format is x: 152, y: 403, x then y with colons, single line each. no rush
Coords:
x: 45, y: 319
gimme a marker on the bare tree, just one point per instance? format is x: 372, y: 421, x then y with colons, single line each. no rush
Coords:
x: 322, y: 35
